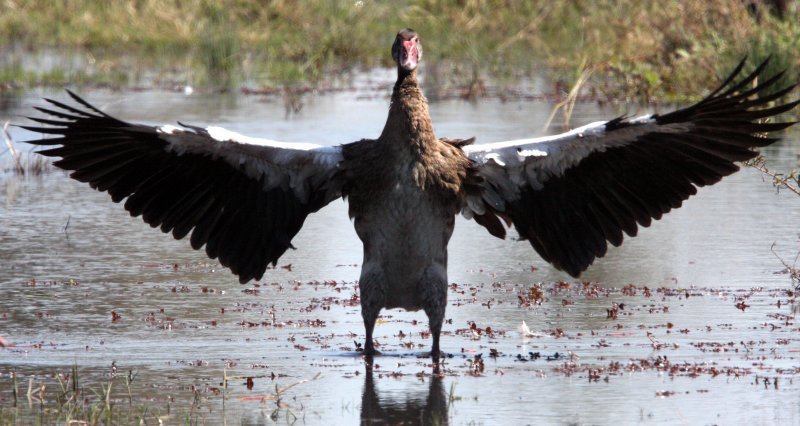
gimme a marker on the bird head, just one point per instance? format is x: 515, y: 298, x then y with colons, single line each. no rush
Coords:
x: 407, y: 50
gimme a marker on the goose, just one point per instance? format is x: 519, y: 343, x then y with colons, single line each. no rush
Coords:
x: 568, y: 195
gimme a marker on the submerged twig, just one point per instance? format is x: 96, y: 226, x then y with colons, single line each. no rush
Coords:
x: 14, y: 388
x: 278, y: 393
x: 793, y: 271
x: 790, y: 181
x: 128, y: 380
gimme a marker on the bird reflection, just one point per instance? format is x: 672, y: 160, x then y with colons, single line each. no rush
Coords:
x: 409, y: 409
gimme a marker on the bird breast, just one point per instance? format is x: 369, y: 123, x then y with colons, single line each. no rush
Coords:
x: 407, y: 202
x: 403, y: 203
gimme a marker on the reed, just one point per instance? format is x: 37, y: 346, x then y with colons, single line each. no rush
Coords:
x: 64, y: 398
x: 644, y: 50
x: 23, y: 163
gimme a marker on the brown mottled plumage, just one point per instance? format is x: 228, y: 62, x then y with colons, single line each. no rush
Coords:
x: 404, y: 190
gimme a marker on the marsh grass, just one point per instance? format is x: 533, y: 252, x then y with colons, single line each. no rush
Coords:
x: 80, y: 396
x: 76, y: 395
x: 218, y: 49
x: 640, y: 50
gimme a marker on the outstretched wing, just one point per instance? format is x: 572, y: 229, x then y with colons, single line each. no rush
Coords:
x: 572, y: 193
x: 243, y: 198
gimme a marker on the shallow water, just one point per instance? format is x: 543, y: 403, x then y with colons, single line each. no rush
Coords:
x: 85, y: 284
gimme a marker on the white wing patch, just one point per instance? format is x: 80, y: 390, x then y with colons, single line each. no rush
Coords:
x: 509, y: 166
x: 298, y: 166
x: 225, y: 135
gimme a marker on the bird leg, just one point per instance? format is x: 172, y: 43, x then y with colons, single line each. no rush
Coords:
x: 435, y: 319
x: 372, y: 292
x: 434, y: 301
x: 369, y: 324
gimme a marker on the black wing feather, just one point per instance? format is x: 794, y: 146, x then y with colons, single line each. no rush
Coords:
x: 570, y: 219
x: 225, y: 210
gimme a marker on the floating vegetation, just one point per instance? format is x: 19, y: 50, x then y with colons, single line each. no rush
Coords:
x: 273, y: 358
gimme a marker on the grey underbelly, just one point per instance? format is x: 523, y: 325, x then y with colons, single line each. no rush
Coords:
x: 405, y: 265
x: 405, y: 235
x: 405, y: 284
x: 403, y: 296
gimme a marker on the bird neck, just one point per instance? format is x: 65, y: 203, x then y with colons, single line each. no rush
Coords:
x: 409, y: 119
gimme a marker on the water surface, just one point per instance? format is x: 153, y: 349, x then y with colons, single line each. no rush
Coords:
x: 83, y: 283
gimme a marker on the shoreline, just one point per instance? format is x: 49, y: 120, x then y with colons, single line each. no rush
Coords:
x: 635, y: 51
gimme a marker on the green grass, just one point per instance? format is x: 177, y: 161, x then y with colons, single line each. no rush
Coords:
x: 642, y: 50
x: 63, y: 398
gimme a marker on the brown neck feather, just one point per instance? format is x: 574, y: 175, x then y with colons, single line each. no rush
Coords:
x: 409, y: 120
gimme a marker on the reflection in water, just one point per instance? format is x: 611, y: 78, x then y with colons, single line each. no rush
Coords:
x: 68, y: 258
x: 11, y: 189
x: 428, y: 409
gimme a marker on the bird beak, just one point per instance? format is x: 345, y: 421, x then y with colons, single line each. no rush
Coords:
x: 409, y: 55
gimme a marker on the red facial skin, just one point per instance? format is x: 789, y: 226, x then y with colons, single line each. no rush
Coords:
x: 410, y: 54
